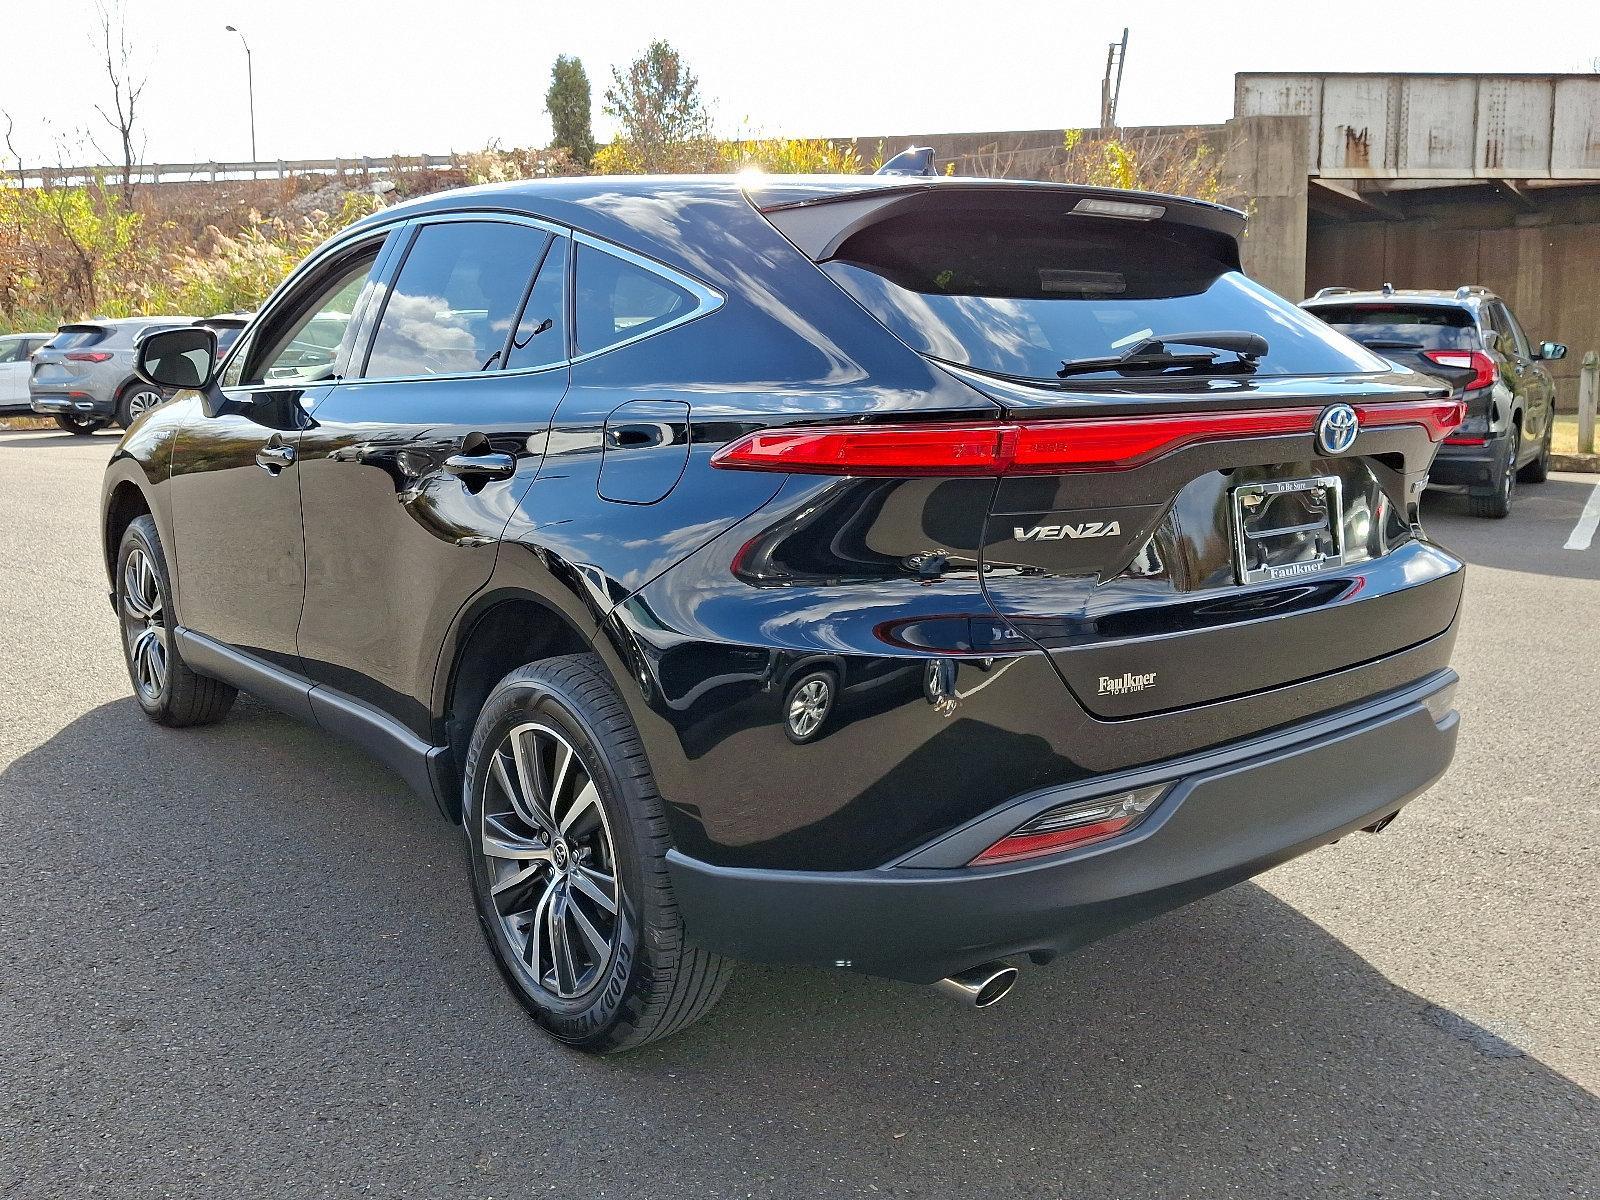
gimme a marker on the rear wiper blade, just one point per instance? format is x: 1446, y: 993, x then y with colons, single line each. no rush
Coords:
x: 1152, y: 352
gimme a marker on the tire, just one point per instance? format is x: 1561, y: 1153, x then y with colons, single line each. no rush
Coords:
x: 808, y: 703
x: 81, y: 426
x: 163, y: 685
x: 1538, y: 470
x: 541, y: 894
x: 1496, y: 504
x: 136, y: 399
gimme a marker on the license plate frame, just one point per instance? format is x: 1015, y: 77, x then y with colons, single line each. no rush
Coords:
x: 1250, y: 502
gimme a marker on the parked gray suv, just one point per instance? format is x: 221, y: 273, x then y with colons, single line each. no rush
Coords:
x: 84, y: 377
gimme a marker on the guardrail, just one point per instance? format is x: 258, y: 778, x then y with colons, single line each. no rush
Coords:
x: 395, y: 164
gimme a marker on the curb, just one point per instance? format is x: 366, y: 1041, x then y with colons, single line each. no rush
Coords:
x: 1576, y: 462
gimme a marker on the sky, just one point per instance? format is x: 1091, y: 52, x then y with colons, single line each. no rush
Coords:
x: 357, y: 77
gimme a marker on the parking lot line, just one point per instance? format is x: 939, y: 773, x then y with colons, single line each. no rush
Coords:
x: 1583, y: 531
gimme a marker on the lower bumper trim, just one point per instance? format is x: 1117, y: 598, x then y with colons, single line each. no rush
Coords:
x: 1219, y: 825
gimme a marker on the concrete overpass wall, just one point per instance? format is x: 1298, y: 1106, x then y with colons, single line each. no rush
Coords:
x: 1542, y: 254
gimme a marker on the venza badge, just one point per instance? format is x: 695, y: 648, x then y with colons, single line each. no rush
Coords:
x: 1337, y: 428
x: 1054, y: 533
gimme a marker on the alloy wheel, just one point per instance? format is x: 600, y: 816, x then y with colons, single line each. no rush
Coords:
x: 808, y: 707
x: 144, y: 630
x: 142, y: 402
x: 552, y: 867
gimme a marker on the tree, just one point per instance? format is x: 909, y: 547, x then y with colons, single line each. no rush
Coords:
x: 658, y: 105
x: 127, y: 86
x: 568, y: 104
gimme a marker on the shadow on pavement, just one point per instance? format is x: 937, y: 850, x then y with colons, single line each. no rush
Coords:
x: 44, y: 439
x: 245, y: 955
x: 1531, y: 539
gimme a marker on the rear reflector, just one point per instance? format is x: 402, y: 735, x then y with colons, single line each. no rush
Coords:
x: 1039, y: 447
x: 1481, y: 363
x: 1058, y: 829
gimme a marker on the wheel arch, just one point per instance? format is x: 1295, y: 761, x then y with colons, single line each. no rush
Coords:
x: 502, y: 629
x: 125, y: 502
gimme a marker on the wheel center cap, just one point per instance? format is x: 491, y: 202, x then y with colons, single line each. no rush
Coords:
x: 559, y: 853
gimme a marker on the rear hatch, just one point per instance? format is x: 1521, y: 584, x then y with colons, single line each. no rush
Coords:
x: 1434, y: 338
x: 1168, y: 525
x: 73, y: 353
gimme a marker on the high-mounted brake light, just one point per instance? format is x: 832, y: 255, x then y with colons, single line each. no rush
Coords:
x: 1484, y: 367
x: 1073, y: 825
x: 95, y: 356
x: 1039, y: 447
x: 1128, y: 210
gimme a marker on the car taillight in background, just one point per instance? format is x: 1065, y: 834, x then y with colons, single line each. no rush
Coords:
x: 89, y: 356
x: 1073, y: 825
x: 1485, y: 371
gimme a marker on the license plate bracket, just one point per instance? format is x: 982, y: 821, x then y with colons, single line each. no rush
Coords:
x: 1287, y: 528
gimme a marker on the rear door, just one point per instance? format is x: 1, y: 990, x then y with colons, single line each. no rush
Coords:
x: 413, y: 463
x: 14, y: 370
x: 1529, y: 380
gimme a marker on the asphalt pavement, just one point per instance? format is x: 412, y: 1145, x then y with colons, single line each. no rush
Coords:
x: 242, y: 961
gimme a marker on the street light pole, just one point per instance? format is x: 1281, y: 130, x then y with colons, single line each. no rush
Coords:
x: 250, y: 80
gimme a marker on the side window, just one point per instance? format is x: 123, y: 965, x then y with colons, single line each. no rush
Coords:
x: 617, y: 300
x: 1518, y: 338
x: 234, y: 371
x: 541, y: 336
x: 1495, y: 316
x: 307, y: 343
x: 11, y: 349
x: 452, y: 305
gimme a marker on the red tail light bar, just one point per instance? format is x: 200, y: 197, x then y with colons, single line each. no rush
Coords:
x: 1481, y: 363
x: 94, y: 356
x: 1040, y: 447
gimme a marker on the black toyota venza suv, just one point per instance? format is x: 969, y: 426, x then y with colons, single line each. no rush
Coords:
x: 890, y: 575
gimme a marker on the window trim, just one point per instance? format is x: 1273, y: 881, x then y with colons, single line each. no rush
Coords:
x: 378, y: 234
x: 707, y: 299
x: 410, y: 231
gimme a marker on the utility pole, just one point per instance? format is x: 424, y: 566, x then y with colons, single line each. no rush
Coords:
x: 250, y: 82
x: 1111, y: 84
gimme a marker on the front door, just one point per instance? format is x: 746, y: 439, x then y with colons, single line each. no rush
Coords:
x: 235, y: 475
x: 417, y: 459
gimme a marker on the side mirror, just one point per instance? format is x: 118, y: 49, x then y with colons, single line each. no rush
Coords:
x: 178, y: 358
x: 1551, y: 351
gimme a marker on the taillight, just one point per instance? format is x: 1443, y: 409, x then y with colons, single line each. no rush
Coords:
x: 95, y: 356
x: 1038, y: 447
x: 1071, y: 825
x: 1485, y: 372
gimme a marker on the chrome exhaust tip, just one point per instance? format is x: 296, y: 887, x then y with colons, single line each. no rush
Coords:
x: 979, y: 987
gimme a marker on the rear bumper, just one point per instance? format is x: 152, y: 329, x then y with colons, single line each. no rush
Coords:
x: 75, y: 403
x: 1466, y: 466
x: 1230, y: 814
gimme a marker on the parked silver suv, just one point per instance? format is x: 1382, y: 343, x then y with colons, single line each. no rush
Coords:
x: 84, y: 377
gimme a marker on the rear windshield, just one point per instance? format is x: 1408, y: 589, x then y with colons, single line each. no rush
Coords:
x: 1025, y: 296
x: 1402, y: 327
x: 76, y: 337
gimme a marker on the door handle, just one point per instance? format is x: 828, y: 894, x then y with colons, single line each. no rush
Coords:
x: 273, y: 459
x: 477, y: 468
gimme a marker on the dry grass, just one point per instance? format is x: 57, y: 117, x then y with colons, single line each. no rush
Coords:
x: 27, y: 423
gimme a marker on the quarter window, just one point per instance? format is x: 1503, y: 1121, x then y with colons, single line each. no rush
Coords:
x: 541, y: 337
x: 452, y: 306
x: 617, y: 301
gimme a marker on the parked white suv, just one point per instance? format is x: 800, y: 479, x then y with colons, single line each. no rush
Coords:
x: 15, y: 350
